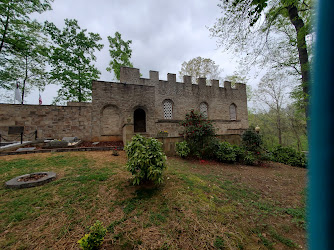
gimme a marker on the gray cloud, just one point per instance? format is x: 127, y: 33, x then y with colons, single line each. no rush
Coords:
x: 163, y: 33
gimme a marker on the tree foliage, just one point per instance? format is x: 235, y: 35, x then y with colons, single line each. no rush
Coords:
x: 293, y: 127
x: 71, y: 58
x: 273, y: 92
x: 21, y: 44
x: 120, y: 53
x: 200, y: 67
x: 198, y: 132
x: 27, y: 64
x: 277, y: 33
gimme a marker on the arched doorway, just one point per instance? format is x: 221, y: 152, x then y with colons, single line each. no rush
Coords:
x: 110, y: 120
x: 139, y: 118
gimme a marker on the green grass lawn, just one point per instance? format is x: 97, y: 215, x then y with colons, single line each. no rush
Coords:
x: 199, y: 206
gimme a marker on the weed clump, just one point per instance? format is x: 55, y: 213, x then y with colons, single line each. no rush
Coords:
x: 95, y: 238
x: 182, y: 149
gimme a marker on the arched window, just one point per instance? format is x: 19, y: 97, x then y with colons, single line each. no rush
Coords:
x: 233, y: 112
x: 203, y: 108
x: 168, y: 109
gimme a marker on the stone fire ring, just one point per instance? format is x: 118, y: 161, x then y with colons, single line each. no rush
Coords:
x: 14, y: 183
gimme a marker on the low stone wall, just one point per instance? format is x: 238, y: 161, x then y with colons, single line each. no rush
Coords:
x: 234, y: 139
x: 168, y: 144
x: 50, y: 121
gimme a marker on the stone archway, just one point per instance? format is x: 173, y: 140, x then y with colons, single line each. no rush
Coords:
x: 110, y: 120
x: 139, y: 120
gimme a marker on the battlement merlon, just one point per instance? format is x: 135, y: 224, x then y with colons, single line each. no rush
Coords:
x: 132, y: 76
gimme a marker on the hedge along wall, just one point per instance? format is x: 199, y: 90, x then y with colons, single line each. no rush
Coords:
x: 169, y: 142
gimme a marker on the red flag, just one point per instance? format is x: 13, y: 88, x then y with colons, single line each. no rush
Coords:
x: 40, y: 99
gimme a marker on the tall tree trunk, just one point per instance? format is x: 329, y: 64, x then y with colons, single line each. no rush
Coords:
x: 279, y: 128
x: 5, y: 31
x: 299, y: 25
x: 79, y: 94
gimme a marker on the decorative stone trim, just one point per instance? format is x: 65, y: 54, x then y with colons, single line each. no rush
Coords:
x: 60, y: 150
x: 16, y: 183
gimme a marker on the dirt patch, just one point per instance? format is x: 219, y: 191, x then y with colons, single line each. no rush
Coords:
x: 277, y: 181
x: 32, y: 177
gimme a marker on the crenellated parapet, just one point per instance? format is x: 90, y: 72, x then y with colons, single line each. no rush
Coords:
x: 132, y: 76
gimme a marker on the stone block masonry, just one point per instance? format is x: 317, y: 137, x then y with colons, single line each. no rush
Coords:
x: 50, y: 121
x: 134, y: 105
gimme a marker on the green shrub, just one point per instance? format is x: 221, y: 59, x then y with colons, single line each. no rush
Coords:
x: 239, y: 153
x: 182, y: 149
x: 251, y: 140
x: 95, y: 238
x: 198, y: 131
x: 267, y: 156
x: 146, y: 160
x: 289, y: 156
x: 249, y: 158
x: 209, y: 150
x: 226, y: 152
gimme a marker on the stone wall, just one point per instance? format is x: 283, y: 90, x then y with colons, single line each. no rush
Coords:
x: 49, y: 121
x: 186, y: 96
x: 120, y: 100
x: 110, y: 115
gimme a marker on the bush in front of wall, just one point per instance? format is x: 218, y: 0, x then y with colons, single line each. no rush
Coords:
x: 95, y: 238
x: 251, y: 140
x: 210, y: 149
x: 249, y: 158
x: 146, y: 159
x: 197, y: 132
x: 226, y: 152
x: 289, y: 156
x: 239, y: 153
x: 182, y: 149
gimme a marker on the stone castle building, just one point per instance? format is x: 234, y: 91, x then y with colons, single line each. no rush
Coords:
x: 134, y: 105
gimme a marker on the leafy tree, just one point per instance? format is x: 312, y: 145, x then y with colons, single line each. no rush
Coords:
x: 273, y: 91
x: 71, y: 58
x: 279, y: 38
x: 27, y: 63
x: 297, y: 125
x: 120, y: 53
x: 16, y: 27
x: 293, y: 127
x: 200, y: 67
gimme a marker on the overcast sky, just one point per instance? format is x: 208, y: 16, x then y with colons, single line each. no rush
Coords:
x: 164, y: 33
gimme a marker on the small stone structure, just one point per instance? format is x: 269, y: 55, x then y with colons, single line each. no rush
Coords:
x: 28, y: 180
x: 134, y: 105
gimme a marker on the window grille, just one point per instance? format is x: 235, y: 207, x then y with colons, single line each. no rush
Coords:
x: 203, y: 108
x: 168, y: 109
x: 233, y: 112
